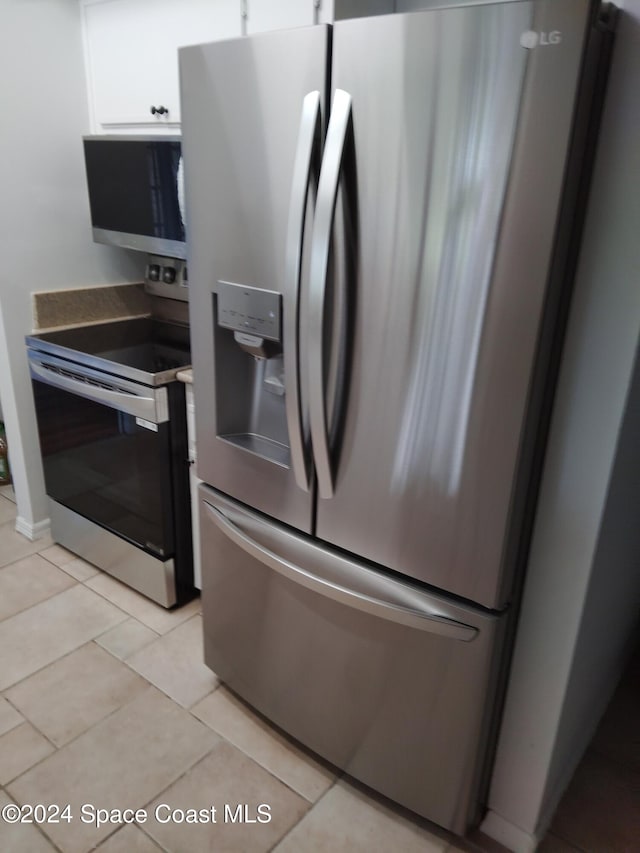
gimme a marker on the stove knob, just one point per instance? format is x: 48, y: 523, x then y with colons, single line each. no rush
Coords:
x: 168, y: 275
x: 154, y: 272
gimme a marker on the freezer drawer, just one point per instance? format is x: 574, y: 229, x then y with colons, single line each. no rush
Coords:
x: 388, y: 682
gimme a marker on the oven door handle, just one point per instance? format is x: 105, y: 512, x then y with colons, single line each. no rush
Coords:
x: 153, y: 408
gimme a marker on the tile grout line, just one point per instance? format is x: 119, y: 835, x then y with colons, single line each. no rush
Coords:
x: 312, y: 806
x: 129, y: 616
x: 37, y: 825
x: 34, y: 603
x: 85, y: 731
x: 99, y: 722
x: 124, y: 661
x: 85, y: 583
x: 222, y: 738
x: 12, y: 524
x: 174, y: 781
x: 66, y: 654
x: 121, y: 828
x: 161, y: 689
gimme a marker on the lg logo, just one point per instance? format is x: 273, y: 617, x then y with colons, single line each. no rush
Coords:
x: 532, y: 39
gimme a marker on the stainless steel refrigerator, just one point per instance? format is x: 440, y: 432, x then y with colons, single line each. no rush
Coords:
x: 382, y: 219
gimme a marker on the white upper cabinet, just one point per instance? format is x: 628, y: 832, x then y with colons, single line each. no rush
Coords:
x: 132, y: 57
x: 263, y: 15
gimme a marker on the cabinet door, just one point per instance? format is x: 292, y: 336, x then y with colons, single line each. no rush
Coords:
x: 263, y: 15
x: 132, y: 60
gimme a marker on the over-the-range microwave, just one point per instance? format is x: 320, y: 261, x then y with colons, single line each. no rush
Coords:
x: 136, y: 192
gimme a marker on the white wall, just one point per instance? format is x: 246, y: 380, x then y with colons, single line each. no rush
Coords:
x: 583, y: 585
x: 44, y: 215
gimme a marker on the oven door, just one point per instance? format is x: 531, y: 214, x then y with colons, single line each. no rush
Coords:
x: 105, y: 448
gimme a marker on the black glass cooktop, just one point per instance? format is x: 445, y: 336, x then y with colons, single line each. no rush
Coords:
x: 146, y: 350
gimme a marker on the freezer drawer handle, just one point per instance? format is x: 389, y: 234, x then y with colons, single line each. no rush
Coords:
x: 319, y: 270
x: 305, y: 178
x: 422, y: 620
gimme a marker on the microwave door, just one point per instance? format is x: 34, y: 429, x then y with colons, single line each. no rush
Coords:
x: 135, y: 186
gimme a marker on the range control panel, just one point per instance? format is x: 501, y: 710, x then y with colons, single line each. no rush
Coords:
x: 249, y: 309
x: 167, y: 277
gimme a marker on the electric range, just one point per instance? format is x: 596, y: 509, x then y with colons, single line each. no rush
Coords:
x: 112, y: 425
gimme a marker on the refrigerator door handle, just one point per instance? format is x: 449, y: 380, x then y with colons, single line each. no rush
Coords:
x: 320, y: 253
x: 377, y: 595
x: 307, y: 154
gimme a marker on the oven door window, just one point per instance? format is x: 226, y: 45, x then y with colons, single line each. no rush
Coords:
x: 107, y: 466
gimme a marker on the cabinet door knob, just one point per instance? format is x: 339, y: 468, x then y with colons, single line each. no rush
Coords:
x: 159, y: 111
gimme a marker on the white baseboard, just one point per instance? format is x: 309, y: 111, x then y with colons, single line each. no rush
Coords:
x: 33, y: 531
x: 508, y: 834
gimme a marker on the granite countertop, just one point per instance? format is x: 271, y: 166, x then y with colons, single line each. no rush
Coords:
x: 54, y: 309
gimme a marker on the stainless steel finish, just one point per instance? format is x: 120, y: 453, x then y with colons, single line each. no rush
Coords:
x: 147, y: 403
x: 178, y: 289
x: 142, y: 571
x: 271, y: 451
x: 320, y: 253
x: 129, y: 137
x: 338, y: 578
x: 377, y: 641
x: 456, y: 235
x: 400, y: 708
x: 253, y: 310
x: 140, y: 242
x: 309, y: 146
x: 239, y: 144
x: 153, y: 245
x: 43, y: 343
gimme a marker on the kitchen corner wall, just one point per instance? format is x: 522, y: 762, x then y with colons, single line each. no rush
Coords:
x: 44, y: 215
x: 582, y: 592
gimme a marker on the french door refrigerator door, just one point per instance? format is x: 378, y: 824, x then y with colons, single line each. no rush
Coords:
x: 383, y: 679
x: 252, y: 133
x: 455, y: 128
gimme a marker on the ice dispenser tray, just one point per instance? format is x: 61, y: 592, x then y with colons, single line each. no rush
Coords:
x: 250, y: 371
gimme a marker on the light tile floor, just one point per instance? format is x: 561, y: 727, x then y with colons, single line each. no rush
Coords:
x: 105, y: 703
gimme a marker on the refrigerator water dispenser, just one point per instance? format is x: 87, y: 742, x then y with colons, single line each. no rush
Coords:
x: 250, y: 371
